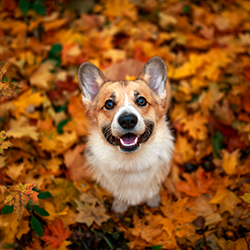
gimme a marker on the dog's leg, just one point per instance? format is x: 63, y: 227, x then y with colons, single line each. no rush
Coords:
x: 155, y: 201
x: 119, y: 206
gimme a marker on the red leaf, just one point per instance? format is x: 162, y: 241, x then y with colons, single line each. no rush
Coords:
x: 57, y: 234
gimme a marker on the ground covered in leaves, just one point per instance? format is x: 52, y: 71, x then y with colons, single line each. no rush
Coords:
x: 206, y: 46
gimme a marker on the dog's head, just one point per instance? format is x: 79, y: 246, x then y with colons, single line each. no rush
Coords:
x: 125, y: 112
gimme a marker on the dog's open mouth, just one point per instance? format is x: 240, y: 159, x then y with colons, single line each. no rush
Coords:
x: 129, y: 142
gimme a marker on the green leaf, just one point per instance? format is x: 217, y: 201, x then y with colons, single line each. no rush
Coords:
x: 54, y: 53
x: 24, y: 5
x: 186, y: 9
x: 61, y: 124
x: 217, y: 141
x: 56, y: 48
x: 8, y: 246
x: 7, y: 209
x: 40, y: 211
x: 38, y: 7
x: 36, y: 226
x: 246, y: 198
x: 44, y: 195
x: 156, y: 247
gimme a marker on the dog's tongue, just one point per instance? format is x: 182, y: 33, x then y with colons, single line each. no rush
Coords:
x: 129, y: 139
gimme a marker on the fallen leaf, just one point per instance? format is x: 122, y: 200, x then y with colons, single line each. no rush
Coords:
x: 226, y: 199
x: 19, y: 196
x: 56, y: 234
x: 89, y: 214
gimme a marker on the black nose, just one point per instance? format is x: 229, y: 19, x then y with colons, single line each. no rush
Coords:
x: 127, y: 121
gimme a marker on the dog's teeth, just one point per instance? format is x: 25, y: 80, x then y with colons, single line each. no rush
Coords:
x: 131, y: 144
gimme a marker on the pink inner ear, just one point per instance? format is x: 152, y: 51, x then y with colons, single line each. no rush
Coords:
x: 154, y: 74
x: 91, y: 86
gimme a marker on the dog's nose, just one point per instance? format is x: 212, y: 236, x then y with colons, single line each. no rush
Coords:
x: 127, y: 121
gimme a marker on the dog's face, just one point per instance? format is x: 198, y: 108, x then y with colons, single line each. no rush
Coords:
x: 125, y: 112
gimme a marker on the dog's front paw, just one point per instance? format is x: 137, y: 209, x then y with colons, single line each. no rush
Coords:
x: 155, y: 201
x: 119, y: 206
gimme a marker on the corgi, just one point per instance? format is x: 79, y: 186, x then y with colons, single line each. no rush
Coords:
x: 130, y: 146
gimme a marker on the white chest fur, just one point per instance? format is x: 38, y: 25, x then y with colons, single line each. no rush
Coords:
x: 134, y: 177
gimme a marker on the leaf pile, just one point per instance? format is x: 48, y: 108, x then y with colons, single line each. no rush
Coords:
x: 205, y: 200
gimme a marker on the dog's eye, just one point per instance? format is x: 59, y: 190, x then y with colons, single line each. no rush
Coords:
x: 141, y: 101
x: 109, y: 104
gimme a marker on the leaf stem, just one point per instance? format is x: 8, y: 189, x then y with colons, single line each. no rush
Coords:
x: 4, y: 184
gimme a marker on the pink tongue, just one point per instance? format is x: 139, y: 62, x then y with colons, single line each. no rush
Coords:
x: 128, y: 138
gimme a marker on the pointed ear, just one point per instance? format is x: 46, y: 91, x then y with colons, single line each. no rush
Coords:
x: 90, y: 80
x: 154, y: 73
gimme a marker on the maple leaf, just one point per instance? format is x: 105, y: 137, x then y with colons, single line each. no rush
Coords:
x: 90, y: 214
x: 226, y: 199
x: 19, y: 195
x: 230, y: 161
x: 195, y: 125
x: 56, y: 235
x: 7, y: 88
x: 3, y: 144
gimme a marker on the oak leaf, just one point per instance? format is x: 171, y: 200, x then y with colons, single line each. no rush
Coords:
x: 19, y: 195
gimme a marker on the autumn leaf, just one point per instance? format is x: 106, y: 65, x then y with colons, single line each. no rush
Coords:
x: 8, y: 89
x: 230, y: 161
x: 3, y: 144
x: 206, y: 50
x: 56, y: 234
x: 246, y: 198
x: 92, y: 210
x: 195, y: 125
x: 19, y: 195
x: 226, y: 199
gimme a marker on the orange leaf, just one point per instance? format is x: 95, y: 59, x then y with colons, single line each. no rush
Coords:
x: 57, y: 234
x: 19, y: 196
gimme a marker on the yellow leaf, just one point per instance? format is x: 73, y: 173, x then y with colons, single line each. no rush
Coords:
x: 23, y: 228
x: 14, y: 171
x: 195, y: 126
x: 64, y: 245
x: 226, y: 199
x: 183, y: 150
x: 42, y: 77
x: 26, y: 103
x: 115, y: 55
x: 118, y: 8
x: 55, y: 24
x: 29, y: 131
x: 53, y: 214
x: 187, y: 69
x: 8, y: 228
x: 165, y: 20
x: 230, y: 161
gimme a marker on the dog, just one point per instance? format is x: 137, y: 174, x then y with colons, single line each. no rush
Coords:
x: 130, y: 146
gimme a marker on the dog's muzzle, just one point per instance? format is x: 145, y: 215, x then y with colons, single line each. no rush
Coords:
x: 129, y: 141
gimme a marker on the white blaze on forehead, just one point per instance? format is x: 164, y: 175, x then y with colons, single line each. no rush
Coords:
x: 128, y: 108
x: 126, y: 103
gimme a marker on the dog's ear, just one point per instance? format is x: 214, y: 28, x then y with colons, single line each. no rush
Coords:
x: 90, y: 80
x: 154, y: 73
